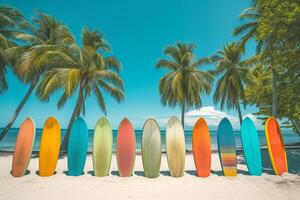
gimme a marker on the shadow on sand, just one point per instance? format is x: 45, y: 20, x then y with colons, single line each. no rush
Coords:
x: 91, y: 172
x: 191, y: 172
x: 115, y: 173
x: 66, y: 173
x: 165, y: 173
x: 139, y: 173
x: 38, y: 173
x: 27, y: 172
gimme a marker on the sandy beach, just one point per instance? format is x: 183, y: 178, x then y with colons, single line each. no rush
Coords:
x: 87, y: 186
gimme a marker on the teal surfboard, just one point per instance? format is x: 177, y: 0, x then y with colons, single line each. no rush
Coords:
x: 77, y: 147
x: 251, y: 147
x: 227, y: 148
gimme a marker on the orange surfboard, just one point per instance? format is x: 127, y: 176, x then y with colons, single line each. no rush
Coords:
x: 276, y: 146
x: 201, y: 148
x: 125, y: 148
x: 49, y: 147
x: 23, y: 149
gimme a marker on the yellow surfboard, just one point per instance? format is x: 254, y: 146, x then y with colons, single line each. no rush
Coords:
x: 49, y: 147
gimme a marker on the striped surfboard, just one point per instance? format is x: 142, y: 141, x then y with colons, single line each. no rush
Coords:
x: 226, y: 148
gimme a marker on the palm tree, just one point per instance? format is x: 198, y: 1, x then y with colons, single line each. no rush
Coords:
x: 234, y: 74
x: 48, y: 35
x: 250, y: 30
x: 185, y: 83
x: 84, y: 71
x: 10, y: 19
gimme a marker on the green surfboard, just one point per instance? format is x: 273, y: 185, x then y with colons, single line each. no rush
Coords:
x: 102, y: 147
x: 151, y: 148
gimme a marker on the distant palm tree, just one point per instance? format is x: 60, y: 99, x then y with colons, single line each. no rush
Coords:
x: 185, y: 83
x: 47, y: 35
x: 234, y: 73
x: 84, y: 71
x: 10, y: 19
x: 250, y: 30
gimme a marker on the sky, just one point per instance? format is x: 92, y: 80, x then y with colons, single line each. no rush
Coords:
x: 137, y: 31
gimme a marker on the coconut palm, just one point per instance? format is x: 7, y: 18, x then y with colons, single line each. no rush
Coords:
x: 185, y: 82
x: 234, y: 73
x: 10, y: 19
x: 83, y: 71
x: 46, y: 35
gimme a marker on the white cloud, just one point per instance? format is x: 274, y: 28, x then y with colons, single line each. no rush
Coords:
x: 212, y: 117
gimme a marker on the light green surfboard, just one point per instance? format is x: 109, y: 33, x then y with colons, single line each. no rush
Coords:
x: 102, y: 147
x: 175, y: 146
x: 151, y: 148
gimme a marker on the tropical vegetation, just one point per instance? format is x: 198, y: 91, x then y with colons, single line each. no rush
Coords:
x: 43, y: 54
x: 184, y: 82
x: 234, y: 74
x: 44, y: 35
x: 280, y: 23
x: 84, y: 71
x: 10, y: 22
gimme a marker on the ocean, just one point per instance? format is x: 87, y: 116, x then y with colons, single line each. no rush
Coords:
x: 293, y: 154
x: 8, y: 142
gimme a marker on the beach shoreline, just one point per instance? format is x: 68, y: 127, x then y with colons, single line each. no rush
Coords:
x: 87, y: 186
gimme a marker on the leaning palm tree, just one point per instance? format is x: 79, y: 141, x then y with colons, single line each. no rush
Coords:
x: 47, y: 35
x: 234, y: 73
x: 83, y: 71
x: 10, y: 19
x: 185, y: 82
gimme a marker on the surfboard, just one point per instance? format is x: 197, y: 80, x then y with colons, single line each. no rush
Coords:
x: 49, y: 147
x: 251, y: 147
x: 102, y: 147
x: 125, y: 148
x: 175, y: 146
x: 201, y: 148
x: 77, y: 147
x: 276, y: 147
x: 227, y: 148
x: 23, y: 148
x: 151, y: 148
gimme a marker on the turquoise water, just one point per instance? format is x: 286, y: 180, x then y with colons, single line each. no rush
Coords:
x: 8, y: 142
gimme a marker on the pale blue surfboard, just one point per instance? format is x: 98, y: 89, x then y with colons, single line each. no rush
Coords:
x: 251, y: 147
x: 77, y: 147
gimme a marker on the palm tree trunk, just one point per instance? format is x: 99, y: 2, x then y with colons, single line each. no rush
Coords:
x: 274, y: 93
x: 18, y: 109
x: 182, y: 114
x: 240, y: 113
x: 76, y: 113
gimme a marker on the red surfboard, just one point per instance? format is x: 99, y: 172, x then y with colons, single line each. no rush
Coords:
x: 23, y: 149
x: 276, y: 146
x: 201, y: 148
x: 125, y: 148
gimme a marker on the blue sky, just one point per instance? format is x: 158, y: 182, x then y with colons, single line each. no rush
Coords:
x: 137, y: 31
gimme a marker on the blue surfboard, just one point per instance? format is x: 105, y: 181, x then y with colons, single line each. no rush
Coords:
x: 251, y: 147
x: 226, y: 148
x: 77, y: 147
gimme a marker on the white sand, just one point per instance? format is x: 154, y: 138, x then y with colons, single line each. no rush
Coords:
x: 61, y: 186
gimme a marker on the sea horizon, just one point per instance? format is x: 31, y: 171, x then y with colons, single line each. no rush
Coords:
x: 8, y: 142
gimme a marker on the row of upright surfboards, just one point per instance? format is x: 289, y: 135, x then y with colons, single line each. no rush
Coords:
x: 151, y: 147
